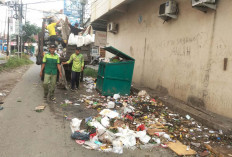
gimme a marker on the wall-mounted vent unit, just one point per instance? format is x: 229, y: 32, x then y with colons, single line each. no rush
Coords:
x: 203, y: 5
x: 168, y: 10
x: 112, y: 27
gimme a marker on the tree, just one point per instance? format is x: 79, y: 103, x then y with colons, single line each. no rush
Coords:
x: 29, y: 30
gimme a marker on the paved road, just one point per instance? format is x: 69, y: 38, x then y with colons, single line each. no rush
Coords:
x: 26, y: 133
x: 2, y: 61
x: 2, y: 56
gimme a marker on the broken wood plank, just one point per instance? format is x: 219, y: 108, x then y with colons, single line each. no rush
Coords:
x: 180, y: 149
x: 213, y: 151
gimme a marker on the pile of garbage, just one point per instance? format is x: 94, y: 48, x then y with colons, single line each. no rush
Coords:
x: 140, y: 121
x: 89, y: 84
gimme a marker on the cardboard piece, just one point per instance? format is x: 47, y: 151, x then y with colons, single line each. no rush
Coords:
x: 40, y: 108
x: 180, y: 149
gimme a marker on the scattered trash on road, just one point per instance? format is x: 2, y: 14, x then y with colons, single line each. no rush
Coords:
x: 140, y: 121
x: 181, y: 149
x: 19, y: 99
x: 39, y: 108
x: 2, y: 94
x: 68, y: 102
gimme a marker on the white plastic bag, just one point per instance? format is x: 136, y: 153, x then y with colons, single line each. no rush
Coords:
x: 117, y: 147
x: 109, y: 113
x: 143, y: 137
x: 72, y: 39
x: 62, y: 16
x: 79, y: 40
x: 143, y: 93
x: 75, y: 124
x: 88, y: 39
x: 97, y: 125
x: 105, y: 122
x: 127, y: 137
x: 111, y: 104
x: 116, y: 96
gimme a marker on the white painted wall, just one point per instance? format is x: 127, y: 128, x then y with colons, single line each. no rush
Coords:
x: 186, y: 55
x: 100, y: 7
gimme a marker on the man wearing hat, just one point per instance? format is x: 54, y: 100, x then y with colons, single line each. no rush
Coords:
x: 51, y: 63
x: 77, y: 67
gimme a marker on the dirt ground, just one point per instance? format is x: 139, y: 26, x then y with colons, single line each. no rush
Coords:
x: 8, y: 79
x: 71, y: 111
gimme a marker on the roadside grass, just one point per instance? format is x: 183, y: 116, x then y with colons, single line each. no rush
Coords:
x: 2, y: 58
x: 14, y: 62
x: 90, y: 72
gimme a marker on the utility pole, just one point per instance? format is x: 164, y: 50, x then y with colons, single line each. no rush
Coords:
x: 83, y: 12
x: 83, y: 3
x: 20, y: 24
x: 8, y: 37
x: 4, y: 33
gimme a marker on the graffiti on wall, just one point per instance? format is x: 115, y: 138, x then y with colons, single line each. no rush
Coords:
x: 183, y: 46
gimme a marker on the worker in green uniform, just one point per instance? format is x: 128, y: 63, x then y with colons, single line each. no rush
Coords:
x: 77, y: 67
x: 51, y: 63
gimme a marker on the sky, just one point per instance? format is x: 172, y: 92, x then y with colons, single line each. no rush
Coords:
x: 34, y: 11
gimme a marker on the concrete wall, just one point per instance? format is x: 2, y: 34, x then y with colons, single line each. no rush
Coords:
x: 184, y: 56
x: 100, y: 7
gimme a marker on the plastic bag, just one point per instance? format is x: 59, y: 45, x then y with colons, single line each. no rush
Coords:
x: 111, y: 104
x: 106, y: 136
x: 39, y: 59
x: 143, y: 93
x: 127, y: 137
x: 72, y: 39
x: 88, y: 39
x: 143, y: 137
x: 116, y: 96
x: 79, y: 40
x: 62, y: 16
x: 97, y: 125
x: 117, y: 147
x: 109, y: 113
x: 75, y: 124
x: 80, y: 136
x: 105, y: 122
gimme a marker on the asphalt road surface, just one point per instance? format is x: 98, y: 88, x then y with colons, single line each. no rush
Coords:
x: 26, y: 133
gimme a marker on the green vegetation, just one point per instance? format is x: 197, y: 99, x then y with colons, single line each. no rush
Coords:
x: 29, y: 31
x: 2, y: 58
x: 15, y: 62
x: 90, y: 72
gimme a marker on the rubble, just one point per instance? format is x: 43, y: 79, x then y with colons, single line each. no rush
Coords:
x: 139, y: 121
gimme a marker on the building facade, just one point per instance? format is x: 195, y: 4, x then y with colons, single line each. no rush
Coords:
x: 190, y: 57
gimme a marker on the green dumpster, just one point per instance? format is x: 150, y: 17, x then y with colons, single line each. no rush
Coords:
x: 115, y: 78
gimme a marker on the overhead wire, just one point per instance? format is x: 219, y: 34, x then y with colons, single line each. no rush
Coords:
x: 43, y: 2
x: 96, y: 5
x: 42, y: 11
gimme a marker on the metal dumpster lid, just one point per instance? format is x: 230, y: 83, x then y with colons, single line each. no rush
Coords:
x: 118, y: 53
